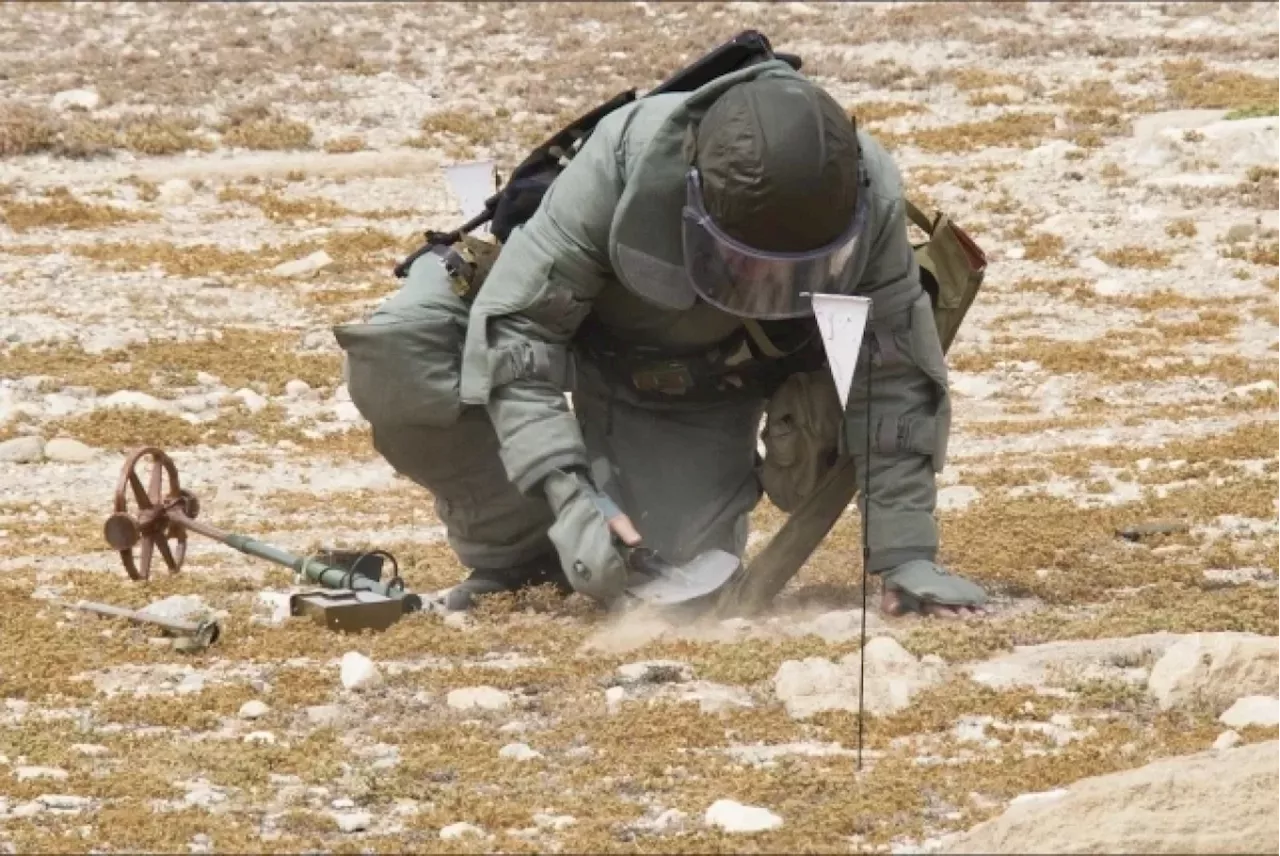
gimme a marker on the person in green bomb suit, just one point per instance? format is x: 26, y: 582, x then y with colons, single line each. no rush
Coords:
x: 664, y: 282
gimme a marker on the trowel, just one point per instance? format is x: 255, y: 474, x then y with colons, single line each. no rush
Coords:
x: 655, y: 581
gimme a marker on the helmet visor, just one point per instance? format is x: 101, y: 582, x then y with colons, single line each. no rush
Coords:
x: 753, y: 283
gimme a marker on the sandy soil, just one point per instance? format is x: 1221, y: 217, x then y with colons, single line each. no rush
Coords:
x: 158, y: 162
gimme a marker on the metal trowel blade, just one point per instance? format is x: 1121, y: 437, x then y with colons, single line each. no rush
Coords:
x: 699, y: 577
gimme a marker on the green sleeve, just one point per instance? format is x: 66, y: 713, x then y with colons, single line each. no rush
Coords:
x: 535, y: 297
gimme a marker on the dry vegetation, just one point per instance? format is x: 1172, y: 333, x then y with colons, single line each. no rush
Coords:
x: 1118, y: 368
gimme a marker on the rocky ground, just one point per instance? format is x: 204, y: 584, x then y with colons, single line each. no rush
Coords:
x: 193, y: 195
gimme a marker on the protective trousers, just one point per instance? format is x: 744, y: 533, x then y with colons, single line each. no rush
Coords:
x: 684, y: 474
x: 910, y: 421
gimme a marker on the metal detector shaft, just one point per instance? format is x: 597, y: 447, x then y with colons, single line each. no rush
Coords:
x: 206, y: 632
x: 311, y: 569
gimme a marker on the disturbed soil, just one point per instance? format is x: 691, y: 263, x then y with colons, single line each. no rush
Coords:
x: 158, y: 163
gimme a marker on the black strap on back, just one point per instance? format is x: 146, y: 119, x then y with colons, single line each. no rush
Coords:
x: 523, y: 192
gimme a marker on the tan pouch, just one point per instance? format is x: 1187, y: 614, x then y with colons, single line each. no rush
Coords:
x: 801, y: 437
x: 952, y: 268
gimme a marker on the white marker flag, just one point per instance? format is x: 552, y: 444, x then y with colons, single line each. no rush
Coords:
x: 472, y: 183
x: 841, y: 320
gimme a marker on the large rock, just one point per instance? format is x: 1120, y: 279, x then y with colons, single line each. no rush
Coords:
x: 1214, y: 669
x: 1061, y: 663
x: 1256, y: 710
x: 68, y: 451
x: 22, y: 450
x: 1210, y: 802
x: 894, y: 676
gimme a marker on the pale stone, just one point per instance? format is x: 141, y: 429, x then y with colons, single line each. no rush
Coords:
x: 1215, y: 669
x: 254, y: 709
x: 1252, y: 710
x: 613, y: 698
x: 22, y: 450
x: 1210, y: 802
x: 131, y: 398
x: 893, y: 677
x: 75, y: 99
x: 353, y: 821
x: 176, y: 192
x: 359, y: 672
x: 733, y: 816
x: 27, y: 774
x: 518, y: 752
x: 306, y: 266
x: 252, y: 401
x: 478, y: 698
x: 1227, y: 740
x: 654, y: 672
x: 459, y: 830
x: 296, y: 388
x: 67, y: 451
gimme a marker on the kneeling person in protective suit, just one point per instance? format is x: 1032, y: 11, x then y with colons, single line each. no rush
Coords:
x: 663, y: 281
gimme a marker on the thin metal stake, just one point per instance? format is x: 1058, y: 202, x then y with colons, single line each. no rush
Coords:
x: 866, y: 554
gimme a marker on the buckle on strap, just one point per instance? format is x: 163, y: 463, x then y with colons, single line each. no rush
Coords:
x: 671, y: 378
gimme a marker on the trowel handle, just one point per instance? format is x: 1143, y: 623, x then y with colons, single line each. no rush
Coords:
x: 645, y: 560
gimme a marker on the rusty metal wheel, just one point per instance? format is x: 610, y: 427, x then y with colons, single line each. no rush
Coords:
x: 149, y: 527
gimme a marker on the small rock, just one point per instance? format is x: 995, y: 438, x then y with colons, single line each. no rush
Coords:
x: 519, y: 752
x: 735, y: 817
x: 89, y: 750
x: 554, y: 821
x: 514, y: 728
x: 192, y: 683
x: 206, y: 379
x: 179, y: 607
x: 202, y: 795
x: 711, y: 697
x: 75, y: 99
x: 64, y: 802
x: 254, y: 709
x: 893, y: 676
x: 27, y: 809
x: 307, y: 266
x: 345, y: 411
x: 1215, y: 669
x: 326, y: 715
x: 458, y: 830
x: 176, y: 192
x: 672, y: 818
x: 354, y: 821
x: 130, y: 398
x: 479, y: 698
x: 1252, y: 710
x: 654, y: 672
x: 22, y: 450
x: 68, y: 451
x: 359, y: 672
x: 251, y: 400
x: 296, y: 388
x: 1227, y: 740
x: 1239, y: 233
x: 26, y: 774
x: 613, y: 698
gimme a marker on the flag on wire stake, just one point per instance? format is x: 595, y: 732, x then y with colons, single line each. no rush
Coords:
x: 842, y: 320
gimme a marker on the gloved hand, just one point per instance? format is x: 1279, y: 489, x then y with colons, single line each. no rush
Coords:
x: 587, y: 523
x: 929, y: 589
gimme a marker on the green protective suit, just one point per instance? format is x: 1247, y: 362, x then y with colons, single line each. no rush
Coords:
x: 469, y: 401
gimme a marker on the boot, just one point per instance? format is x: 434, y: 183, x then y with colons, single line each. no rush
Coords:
x: 483, y: 581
